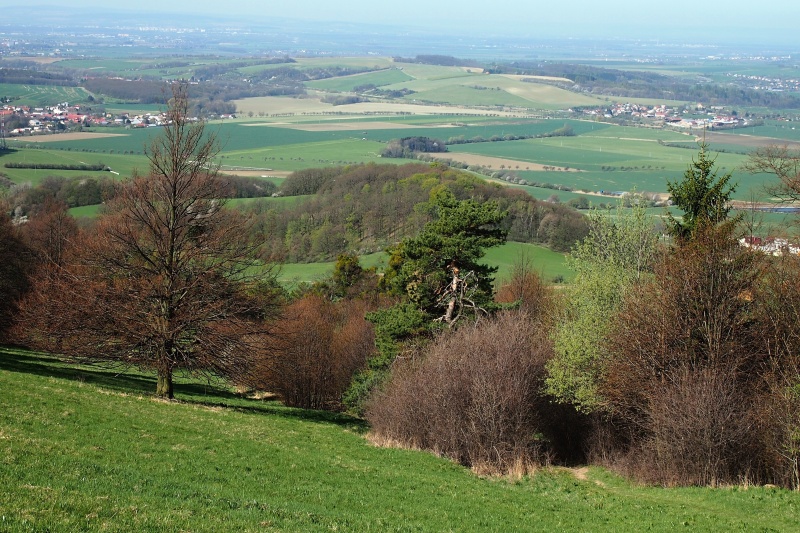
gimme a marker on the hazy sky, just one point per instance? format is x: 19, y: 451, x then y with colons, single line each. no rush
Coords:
x: 773, y: 19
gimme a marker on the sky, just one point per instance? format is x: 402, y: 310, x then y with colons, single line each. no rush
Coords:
x: 707, y: 19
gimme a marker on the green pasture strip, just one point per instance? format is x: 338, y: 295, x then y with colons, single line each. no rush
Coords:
x: 122, y: 164
x: 635, y: 133
x: 374, y: 63
x: 549, y: 264
x: 134, y: 108
x: 347, y: 83
x: 86, y: 448
x: 42, y: 95
x: 105, y: 65
x: 309, y: 155
x: 354, y: 62
x: 780, y: 130
x: 461, y: 95
x: 295, y: 273
x: 86, y: 211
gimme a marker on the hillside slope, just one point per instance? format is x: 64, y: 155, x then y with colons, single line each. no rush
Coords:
x: 87, y: 448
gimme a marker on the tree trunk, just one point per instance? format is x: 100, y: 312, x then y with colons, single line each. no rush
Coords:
x: 164, y: 387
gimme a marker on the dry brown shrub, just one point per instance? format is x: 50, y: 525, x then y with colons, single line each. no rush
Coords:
x: 527, y: 288
x: 683, y: 370
x: 701, y: 431
x: 322, y: 344
x: 779, y: 406
x: 474, y: 397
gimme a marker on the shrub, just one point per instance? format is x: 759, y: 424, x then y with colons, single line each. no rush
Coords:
x: 682, y: 369
x: 474, y: 396
x: 322, y: 345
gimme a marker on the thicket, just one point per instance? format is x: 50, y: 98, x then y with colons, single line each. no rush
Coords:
x: 90, y: 190
x: 675, y: 364
x: 319, y: 345
x: 410, y: 146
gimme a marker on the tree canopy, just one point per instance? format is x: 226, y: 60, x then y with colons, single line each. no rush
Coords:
x: 702, y: 195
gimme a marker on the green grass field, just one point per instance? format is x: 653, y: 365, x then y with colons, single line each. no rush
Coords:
x: 118, y: 162
x: 347, y: 83
x: 87, y: 448
x: 548, y: 263
x: 43, y: 95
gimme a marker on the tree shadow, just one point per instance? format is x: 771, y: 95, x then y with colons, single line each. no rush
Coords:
x: 275, y: 408
x: 194, y: 392
x: 116, y: 378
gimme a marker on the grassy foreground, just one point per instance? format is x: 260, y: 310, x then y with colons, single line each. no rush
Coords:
x: 89, y: 449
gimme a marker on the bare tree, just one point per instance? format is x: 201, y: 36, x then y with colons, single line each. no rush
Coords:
x: 166, y: 280
x: 784, y: 163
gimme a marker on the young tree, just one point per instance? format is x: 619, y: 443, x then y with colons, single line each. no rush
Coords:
x: 702, y: 196
x: 619, y: 249
x: 164, y: 282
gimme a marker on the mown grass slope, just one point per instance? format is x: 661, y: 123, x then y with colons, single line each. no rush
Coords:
x: 89, y: 449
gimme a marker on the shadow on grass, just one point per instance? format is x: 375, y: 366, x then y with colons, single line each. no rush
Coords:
x: 195, y: 392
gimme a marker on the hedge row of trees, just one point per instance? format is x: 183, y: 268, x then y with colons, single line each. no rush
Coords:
x: 25, y: 199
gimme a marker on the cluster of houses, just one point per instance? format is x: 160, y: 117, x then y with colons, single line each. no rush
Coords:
x: 673, y: 116
x: 770, y: 245
x: 62, y: 117
x: 765, y: 83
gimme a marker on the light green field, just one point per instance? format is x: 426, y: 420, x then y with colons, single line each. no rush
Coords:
x: 548, y: 263
x: 42, y: 95
x: 86, y: 211
x: 87, y: 448
x: 464, y: 95
x: 648, y: 164
x: 295, y: 273
x: 123, y: 164
x: 347, y: 83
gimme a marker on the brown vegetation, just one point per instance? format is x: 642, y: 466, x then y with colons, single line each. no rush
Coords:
x: 474, y: 396
x: 321, y: 345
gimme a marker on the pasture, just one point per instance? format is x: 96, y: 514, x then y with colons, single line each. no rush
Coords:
x: 549, y: 264
x: 43, y: 95
x: 348, y: 83
x: 87, y: 448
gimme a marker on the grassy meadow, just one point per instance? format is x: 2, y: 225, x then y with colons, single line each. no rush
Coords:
x: 549, y: 264
x: 88, y: 448
x: 43, y: 95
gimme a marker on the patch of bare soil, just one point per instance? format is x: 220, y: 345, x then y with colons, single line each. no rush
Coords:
x: 263, y: 173
x: 497, y: 163
x: 582, y: 474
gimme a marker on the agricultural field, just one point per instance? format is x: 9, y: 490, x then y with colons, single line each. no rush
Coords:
x: 42, y: 95
x: 87, y: 448
x: 347, y: 83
